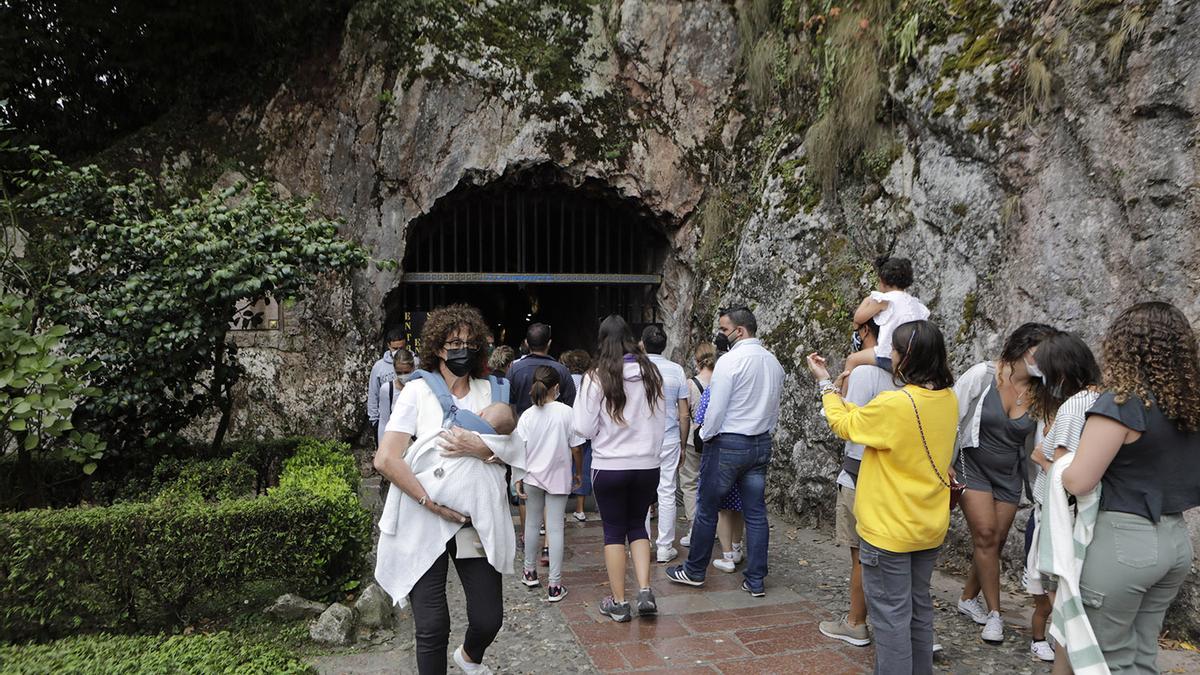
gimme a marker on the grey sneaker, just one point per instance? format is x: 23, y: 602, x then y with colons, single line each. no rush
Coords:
x: 993, y: 631
x: 858, y: 636
x: 617, y: 611
x: 974, y: 609
x: 646, y: 605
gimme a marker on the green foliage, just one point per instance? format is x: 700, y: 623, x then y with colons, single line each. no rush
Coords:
x: 77, y: 73
x: 335, y: 456
x: 148, y: 565
x: 906, y: 39
x: 203, y: 480
x: 151, y: 277
x: 40, y: 386
x: 851, y: 90
x: 221, y: 652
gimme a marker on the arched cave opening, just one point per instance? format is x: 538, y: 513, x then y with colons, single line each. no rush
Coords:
x: 532, y: 248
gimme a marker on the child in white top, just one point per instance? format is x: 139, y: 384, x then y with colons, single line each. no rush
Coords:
x: 552, y: 449
x: 889, y: 307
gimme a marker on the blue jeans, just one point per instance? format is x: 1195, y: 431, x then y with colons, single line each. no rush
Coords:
x: 730, y: 459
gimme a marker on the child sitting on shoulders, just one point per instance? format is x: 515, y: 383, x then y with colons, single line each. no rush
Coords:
x: 889, y: 306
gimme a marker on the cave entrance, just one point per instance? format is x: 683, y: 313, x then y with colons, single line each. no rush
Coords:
x: 525, y: 253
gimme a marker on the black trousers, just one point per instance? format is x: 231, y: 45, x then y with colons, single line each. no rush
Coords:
x: 485, y: 609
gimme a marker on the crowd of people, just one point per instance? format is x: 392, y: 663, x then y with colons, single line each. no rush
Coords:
x: 1106, y: 454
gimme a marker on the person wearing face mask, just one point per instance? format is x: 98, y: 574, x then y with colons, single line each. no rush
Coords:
x: 403, y: 365
x: 995, y: 436
x: 864, y: 384
x: 383, y: 372
x: 742, y: 410
x: 447, y: 402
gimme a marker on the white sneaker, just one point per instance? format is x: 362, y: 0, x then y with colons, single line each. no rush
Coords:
x: 725, y: 565
x: 994, y: 630
x: 738, y: 553
x: 686, y: 541
x: 974, y: 609
x: 580, y: 516
x: 666, y: 555
x: 468, y: 667
x: 937, y: 645
x: 1042, y: 650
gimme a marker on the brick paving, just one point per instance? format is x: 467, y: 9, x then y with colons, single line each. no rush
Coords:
x: 715, y: 629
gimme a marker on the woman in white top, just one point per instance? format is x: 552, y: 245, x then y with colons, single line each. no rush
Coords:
x: 452, y: 343
x: 578, y: 361
x: 551, y: 450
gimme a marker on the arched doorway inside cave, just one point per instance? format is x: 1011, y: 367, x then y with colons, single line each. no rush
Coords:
x: 531, y: 249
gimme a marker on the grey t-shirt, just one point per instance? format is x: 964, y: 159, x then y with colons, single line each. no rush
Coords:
x: 865, y: 383
x: 1156, y: 474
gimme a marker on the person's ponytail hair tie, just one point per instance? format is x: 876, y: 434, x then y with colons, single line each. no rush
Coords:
x: 545, y: 378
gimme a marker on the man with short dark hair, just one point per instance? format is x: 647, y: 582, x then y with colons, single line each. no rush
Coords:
x: 678, y: 425
x: 864, y: 385
x: 382, y: 373
x: 742, y: 411
x: 537, y: 339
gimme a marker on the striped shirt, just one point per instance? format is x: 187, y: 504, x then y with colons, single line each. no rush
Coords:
x: 1064, y: 433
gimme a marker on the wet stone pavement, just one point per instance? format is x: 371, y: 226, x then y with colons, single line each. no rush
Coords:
x: 714, y: 629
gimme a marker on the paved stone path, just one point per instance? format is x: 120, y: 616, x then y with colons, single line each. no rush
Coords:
x: 716, y: 629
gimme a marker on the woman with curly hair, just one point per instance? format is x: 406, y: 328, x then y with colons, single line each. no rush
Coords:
x: 620, y: 408
x: 1141, y: 445
x: 455, y: 404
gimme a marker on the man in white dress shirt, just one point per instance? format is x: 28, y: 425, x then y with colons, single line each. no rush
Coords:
x: 675, y: 398
x: 743, y: 408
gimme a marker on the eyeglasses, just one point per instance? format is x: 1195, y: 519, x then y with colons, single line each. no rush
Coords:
x: 460, y: 344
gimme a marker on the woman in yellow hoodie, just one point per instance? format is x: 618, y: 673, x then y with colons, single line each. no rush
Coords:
x: 903, y: 498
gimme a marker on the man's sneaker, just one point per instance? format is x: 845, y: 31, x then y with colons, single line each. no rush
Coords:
x: 617, y: 611
x: 544, y: 561
x: 646, y: 604
x: 529, y: 578
x: 739, y: 554
x: 993, y: 631
x: 1042, y: 650
x: 580, y: 516
x: 841, y: 629
x: 467, y: 666
x: 686, y: 540
x: 677, y: 575
x: 542, y: 530
x: 751, y: 591
x: 666, y: 555
x: 555, y: 593
x: 726, y: 565
x: 974, y: 609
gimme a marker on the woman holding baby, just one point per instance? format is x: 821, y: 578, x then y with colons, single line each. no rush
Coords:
x: 444, y: 452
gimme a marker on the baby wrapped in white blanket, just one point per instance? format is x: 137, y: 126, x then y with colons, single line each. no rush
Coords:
x: 412, y: 537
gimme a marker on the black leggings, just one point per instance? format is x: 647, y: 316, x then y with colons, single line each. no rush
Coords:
x: 485, y: 609
x: 624, y: 497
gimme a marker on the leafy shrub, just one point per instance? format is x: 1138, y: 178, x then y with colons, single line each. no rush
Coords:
x: 213, y: 653
x: 144, y: 565
x: 204, y: 480
x: 317, y: 453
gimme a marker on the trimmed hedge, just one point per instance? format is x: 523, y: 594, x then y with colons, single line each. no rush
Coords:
x: 118, y: 654
x: 143, y: 565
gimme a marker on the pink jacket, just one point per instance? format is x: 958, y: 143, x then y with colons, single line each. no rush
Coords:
x: 636, y: 444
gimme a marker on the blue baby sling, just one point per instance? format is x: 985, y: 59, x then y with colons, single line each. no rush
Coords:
x: 452, y: 415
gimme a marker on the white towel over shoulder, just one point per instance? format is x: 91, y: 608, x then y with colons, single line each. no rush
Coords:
x: 1068, y: 532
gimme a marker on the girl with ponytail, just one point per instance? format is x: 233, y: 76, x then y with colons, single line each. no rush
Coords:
x: 551, y: 450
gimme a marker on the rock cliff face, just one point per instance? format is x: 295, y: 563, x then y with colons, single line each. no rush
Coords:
x: 1036, y: 160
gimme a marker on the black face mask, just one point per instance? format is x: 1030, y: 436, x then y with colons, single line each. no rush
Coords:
x: 459, y: 361
x: 721, y: 342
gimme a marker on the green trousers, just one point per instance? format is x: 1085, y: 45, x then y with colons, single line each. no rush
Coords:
x: 1131, y: 573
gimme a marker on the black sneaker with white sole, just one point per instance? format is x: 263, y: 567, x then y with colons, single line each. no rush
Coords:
x: 751, y: 591
x: 530, y: 578
x: 679, y: 576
